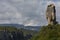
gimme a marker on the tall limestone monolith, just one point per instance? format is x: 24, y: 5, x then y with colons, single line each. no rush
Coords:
x: 51, y: 14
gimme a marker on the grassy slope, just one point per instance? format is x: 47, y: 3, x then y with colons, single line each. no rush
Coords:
x: 51, y: 32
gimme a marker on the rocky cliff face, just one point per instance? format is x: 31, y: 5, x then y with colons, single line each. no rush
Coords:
x: 14, y: 35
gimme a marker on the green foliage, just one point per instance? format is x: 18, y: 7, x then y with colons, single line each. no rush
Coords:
x: 9, y: 28
x: 50, y: 32
x: 12, y: 28
x: 26, y: 34
x: 25, y: 31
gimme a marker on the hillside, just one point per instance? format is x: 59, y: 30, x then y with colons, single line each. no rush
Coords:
x: 12, y: 33
x: 36, y: 28
x: 50, y: 32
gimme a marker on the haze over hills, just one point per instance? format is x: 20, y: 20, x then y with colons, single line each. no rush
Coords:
x: 36, y: 28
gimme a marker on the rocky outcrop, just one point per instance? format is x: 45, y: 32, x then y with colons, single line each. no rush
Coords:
x: 51, y: 14
x: 14, y: 35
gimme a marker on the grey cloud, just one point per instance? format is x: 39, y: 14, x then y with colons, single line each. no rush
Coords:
x: 27, y: 12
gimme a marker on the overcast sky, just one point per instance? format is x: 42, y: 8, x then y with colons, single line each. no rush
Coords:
x: 27, y: 12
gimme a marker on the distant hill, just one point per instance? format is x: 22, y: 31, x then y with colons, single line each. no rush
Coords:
x: 50, y: 32
x: 15, y: 25
x: 36, y: 28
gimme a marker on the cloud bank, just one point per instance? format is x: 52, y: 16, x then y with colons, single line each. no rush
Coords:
x: 27, y: 12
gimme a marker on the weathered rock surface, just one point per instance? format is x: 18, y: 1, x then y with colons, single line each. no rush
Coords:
x: 51, y: 14
x: 6, y: 35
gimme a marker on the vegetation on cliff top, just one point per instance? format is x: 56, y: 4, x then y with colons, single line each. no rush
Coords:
x: 50, y: 32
